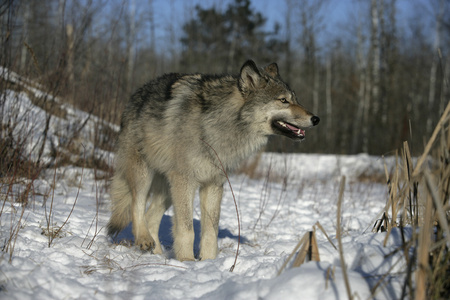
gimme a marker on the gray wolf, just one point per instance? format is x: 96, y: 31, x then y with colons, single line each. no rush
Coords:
x: 179, y: 133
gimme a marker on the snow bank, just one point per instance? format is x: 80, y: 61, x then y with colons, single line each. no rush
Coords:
x: 83, y: 263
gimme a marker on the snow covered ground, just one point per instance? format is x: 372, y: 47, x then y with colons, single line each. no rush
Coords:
x: 56, y: 247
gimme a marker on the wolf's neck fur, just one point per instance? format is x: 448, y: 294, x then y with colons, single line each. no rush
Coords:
x: 230, y: 134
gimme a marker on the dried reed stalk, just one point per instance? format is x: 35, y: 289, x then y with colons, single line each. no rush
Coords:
x: 308, y: 249
x: 338, y: 235
x: 423, y: 252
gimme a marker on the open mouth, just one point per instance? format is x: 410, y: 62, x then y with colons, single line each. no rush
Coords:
x: 289, y: 130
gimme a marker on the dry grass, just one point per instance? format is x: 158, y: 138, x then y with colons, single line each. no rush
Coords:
x: 19, y: 170
x: 419, y: 197
x: 339, y: 237
x: 307, y: 250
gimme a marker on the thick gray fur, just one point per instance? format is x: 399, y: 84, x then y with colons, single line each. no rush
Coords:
x: 175, y: 129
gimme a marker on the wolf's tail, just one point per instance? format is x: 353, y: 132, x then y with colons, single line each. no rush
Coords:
x: 121, y: 206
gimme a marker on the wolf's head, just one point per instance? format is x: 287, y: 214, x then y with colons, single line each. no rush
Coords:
x: 271, y: 104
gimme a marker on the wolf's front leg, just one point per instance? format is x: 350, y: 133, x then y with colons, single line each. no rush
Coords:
x: 210, y: 199
x: 183, y: 191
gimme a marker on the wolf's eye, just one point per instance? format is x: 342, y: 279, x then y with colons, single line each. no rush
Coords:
x: 283, y: 100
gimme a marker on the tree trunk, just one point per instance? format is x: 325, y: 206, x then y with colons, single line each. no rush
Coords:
x: 316, y: 87
x: 288, y: 54
x: 23, y: 56
x: 445, y: 94
x: 360, y: 123
x: 376, y: 55
x: 391, y: 62
x: 433, y: 71
x: 382, y: 72
x: 234, y: 40
x: 131, y: 44
x: 153, y: 62
x: 70, y: 60
x: 329, y: 113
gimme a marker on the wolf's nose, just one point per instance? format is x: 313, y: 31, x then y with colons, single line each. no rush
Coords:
x: 315, y: 120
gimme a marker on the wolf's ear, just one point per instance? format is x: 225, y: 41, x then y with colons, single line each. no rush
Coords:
x: 250, y: 78
x: 272, y: 70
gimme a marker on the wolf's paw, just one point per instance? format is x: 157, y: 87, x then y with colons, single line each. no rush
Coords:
x: 207, y: 256
x: 184, y: 255
x: 186, y: 258
x: 157, y: 249
x: 208, y: 251
x: 146, y: 244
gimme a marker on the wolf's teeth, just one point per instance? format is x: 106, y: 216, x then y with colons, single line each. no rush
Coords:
x: 298, y: 132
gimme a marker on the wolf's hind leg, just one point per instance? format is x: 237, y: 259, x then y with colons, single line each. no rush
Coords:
x: 140, y: 178
x: 160, y: 202
x: 210, y: 199
x: 183, y: 191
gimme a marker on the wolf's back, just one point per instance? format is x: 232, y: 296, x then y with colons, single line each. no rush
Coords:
x: 151, y: 99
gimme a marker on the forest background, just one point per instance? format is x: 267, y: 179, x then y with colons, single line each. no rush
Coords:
x: 373, y: 70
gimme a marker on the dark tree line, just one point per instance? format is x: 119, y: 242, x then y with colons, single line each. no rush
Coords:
x: 220, y: 41
x: 373, y: 82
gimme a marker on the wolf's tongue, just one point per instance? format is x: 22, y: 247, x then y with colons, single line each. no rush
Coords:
x: 297, y: 130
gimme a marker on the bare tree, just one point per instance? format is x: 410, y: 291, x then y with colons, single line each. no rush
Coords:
x: 25, y: 32
x: 287, y: 51
x: 376, y: 53
x: 445, y: 94
x: 70, y: 59
x: 329, y: 107
x: 131, y: 43
x: 389, y: 58
x: 363, y: 98
x: 311, y: 24
x: 434, y: 64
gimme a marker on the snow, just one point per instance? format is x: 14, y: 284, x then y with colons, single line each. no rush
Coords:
x: 275, y: 211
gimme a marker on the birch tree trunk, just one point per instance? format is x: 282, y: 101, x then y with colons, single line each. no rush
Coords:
x: 316, y: 85
x: 288, y: 53
x: 329, y: 109
x: 70, y: 59
x: 360, y: 126
x: 131, y: 44
x: 151, y: 63
x: 391, y: 62
x: 232, y: 50
x: 445, y: 95
x: 382, y: 63
x: 366, y: 115
x: 23, y: 55
x: 433, y: 71
x: 376, y: 55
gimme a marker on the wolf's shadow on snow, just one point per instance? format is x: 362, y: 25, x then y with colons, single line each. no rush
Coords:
x: 165, y: 234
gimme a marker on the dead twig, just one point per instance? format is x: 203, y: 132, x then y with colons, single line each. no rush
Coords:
x: 235, y: 204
